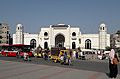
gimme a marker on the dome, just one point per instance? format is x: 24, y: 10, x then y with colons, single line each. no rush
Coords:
x: 102, y: 25
x: 19, y: 25
x: 61, y: 24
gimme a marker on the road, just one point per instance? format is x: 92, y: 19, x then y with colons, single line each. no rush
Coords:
x: 89, y: 65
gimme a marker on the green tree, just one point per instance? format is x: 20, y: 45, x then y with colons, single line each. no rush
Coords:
x: 117, y: 50
x: 118, y: 32
x: 107, y: 48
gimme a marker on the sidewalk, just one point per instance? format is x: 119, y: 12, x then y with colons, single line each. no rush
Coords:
x: 19, y: 70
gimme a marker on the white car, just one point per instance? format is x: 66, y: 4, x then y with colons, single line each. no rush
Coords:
x: 100, y: 57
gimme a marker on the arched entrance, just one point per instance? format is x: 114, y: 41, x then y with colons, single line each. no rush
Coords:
x: 73, y: 45
x: 59, y: 40
x: 33, y: 43
x: 88, y: 44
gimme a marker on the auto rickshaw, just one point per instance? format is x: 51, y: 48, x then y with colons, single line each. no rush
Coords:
x: 65, y: 57
x: 55, y: 54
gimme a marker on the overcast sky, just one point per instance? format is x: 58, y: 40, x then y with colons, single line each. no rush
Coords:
x: 87, y: 14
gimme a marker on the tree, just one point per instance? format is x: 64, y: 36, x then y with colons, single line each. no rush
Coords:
x: 118, y: 32
x: 117, y: 50
x: 107, y: 48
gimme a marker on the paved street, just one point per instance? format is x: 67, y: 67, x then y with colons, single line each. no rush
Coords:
x: 12, y: 68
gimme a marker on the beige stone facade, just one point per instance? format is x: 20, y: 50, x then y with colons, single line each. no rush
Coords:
x: 4, y: 33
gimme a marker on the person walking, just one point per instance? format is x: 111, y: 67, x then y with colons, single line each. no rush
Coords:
x: 65, y: 57
x: 70, y: 58
x: 17, y: 54
x: 113, y: 61
x: 74, y: 55
x: 26, y: 56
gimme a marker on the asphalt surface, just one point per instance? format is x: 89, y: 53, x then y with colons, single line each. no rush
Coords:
x: 87, y: 69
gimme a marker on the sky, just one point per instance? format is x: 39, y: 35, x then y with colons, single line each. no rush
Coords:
x: 86, y: 14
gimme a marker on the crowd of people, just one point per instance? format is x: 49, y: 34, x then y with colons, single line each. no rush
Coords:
x: 63, y: 56
x: 66, y: 57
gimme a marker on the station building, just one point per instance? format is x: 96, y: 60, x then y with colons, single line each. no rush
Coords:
x: 62, y: 35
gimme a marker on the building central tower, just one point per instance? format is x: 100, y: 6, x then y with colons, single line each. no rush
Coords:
x: 19, y: 34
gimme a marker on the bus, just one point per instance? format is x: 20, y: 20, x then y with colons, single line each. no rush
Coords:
x: 12, y: 50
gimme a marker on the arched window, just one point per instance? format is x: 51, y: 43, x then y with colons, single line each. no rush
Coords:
x: 73, y: 45
x: 79, y: 41
x: 103, y: 28
x: 18, y: 28
x: 45, y: 45
x: 73, y: 34
x: 0, y: 37
x: 33, y: 43
x: 88, y: 44
x: 45, y: 34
